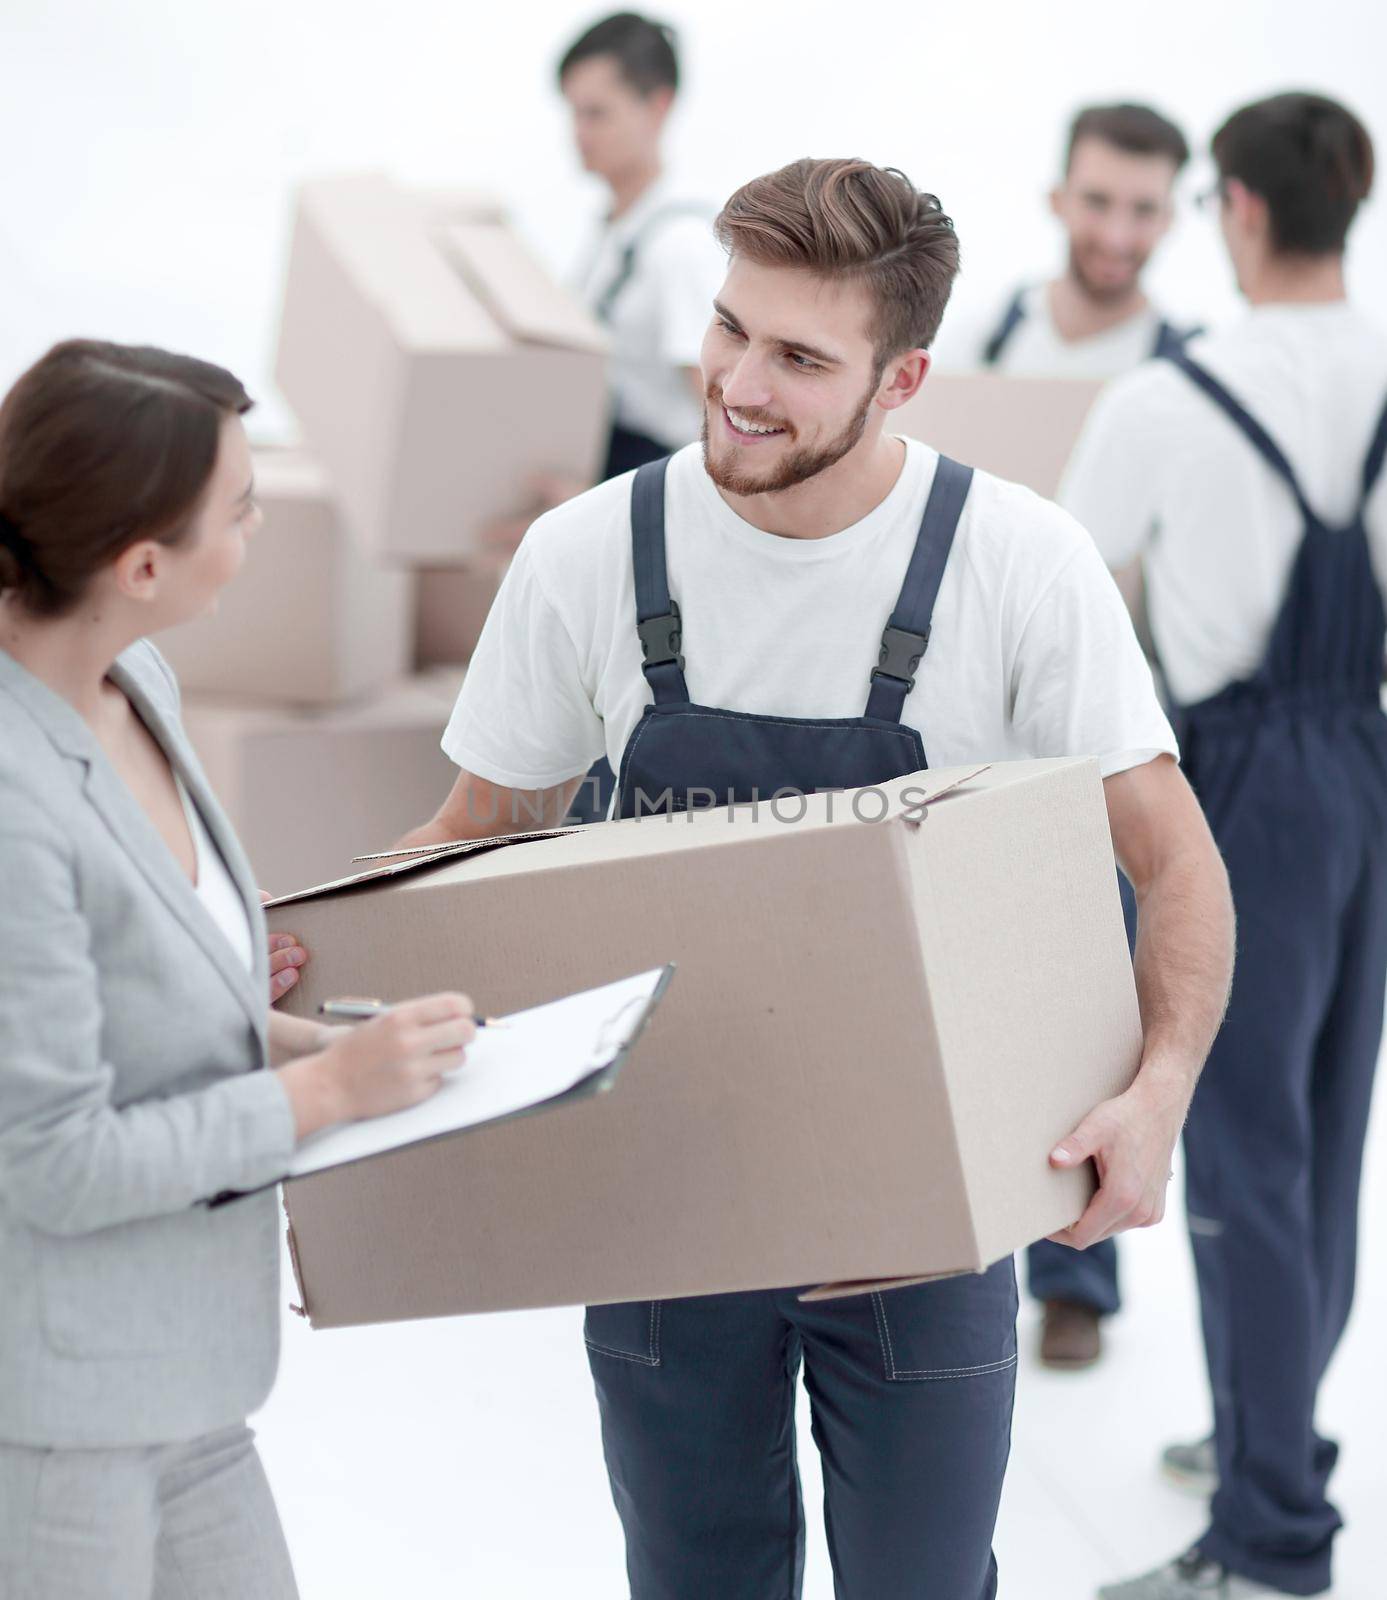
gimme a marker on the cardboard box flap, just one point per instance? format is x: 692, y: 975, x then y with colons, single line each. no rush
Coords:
x: 870, y: 803
x: 440, y: 206
x: 400, y: 863
x: 922, y: 789
x: 375, y: 229
x: 904, y: 797
x: 844, y: 1291
x: 514, y: 288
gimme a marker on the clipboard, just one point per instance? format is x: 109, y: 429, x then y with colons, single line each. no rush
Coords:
x: 545, y: 1057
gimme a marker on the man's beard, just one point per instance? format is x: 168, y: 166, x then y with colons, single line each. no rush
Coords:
x: 1100, y: 293
x: 796, y: 467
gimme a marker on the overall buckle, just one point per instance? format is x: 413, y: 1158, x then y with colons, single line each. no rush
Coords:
x: 661, y: 637
x: 901, y: 652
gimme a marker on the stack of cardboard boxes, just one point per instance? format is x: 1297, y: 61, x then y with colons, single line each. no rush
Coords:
x: 436, y: 373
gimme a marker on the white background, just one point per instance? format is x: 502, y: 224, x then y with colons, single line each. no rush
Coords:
x: 150, y: 148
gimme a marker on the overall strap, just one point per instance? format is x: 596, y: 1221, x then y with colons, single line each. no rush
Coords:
x: 906, y: 637
x: 1170, y: 340
x: 626, y: 266
x: 1247, y: 424
x: 657, y: 615
x: 1372, y: 464
x: 1012, y: 318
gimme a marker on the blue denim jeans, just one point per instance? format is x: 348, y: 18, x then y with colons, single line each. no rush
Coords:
x: 911, y: 1395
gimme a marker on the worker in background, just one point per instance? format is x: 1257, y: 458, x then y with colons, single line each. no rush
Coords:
x: 1246, y: 473
x: 653, y: 265
x: 652, y: 268
x: 1115, y: 204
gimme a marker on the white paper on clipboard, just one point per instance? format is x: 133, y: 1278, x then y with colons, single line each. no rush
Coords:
x: 542, y: 1057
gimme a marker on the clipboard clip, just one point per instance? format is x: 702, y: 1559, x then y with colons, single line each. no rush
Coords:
x: 621, y: 1030
x: 618, y: 1030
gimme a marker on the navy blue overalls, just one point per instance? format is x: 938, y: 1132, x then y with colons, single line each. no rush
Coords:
x: 1291, y: 768
x: 912, y: 1389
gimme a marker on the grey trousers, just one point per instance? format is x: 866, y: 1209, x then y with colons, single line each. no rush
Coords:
x: 191, y: 1521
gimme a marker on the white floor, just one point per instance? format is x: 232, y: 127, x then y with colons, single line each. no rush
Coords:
x: 461, y: 1458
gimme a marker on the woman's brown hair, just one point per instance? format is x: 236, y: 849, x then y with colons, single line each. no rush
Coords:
x: 102, y: 445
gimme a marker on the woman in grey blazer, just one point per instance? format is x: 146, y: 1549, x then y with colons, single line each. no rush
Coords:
x: 141, y: 1071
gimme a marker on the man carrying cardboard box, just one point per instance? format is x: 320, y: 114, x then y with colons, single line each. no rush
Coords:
x: 1115, y: 204
x: 773, y: 556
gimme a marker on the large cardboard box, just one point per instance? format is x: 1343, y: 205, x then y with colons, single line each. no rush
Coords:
x: 433, y: 365
x: 451, y: 608
x: 308, y: 790
x: 311, y: 619
x: 1023, y: 429
x: 876, y: 1033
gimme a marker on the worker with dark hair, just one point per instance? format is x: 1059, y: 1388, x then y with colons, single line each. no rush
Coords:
x: 1246, y: 474
x: 654, y: 265
x: 1115, y: 203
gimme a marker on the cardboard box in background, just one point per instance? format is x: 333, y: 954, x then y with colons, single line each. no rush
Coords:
x: 311, y: 619
x: 307, y: 791
x: 875, y: 1035
x: 451, y: 607
x: 433, y: 365
x: 1023, y: 429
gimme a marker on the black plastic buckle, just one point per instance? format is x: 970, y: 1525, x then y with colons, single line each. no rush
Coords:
x: 901, y: 652
x: 661, y: 638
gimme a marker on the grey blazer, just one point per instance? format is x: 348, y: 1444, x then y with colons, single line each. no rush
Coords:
x: 132, y: 1086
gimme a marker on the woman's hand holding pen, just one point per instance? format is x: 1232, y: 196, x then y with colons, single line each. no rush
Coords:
x: 395, y: 1060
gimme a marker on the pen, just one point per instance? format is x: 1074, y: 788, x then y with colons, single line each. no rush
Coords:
x: 349, y: 1010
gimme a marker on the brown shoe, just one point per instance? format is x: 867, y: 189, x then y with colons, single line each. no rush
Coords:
x: 1071, y: 1338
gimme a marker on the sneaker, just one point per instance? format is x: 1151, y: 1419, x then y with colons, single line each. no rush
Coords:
x: 1070, y: 1337
x: 1191, y: 1577
x: 1192, y: 1467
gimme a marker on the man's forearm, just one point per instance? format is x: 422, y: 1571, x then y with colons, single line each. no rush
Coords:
x: 1184, y: 966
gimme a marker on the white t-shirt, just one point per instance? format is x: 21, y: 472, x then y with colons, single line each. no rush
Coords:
x: 657, y: 321
x: 215, y: 887
x: 1037, y: 349
x: 1031, y: 652
x: 1159, y: 472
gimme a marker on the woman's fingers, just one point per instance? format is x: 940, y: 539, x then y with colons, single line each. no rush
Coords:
x: 433, y: 1008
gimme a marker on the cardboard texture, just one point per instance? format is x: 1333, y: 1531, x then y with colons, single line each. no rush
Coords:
x: 433, y: 366
x: 451, y: 608
x: 305, y: 789
x: 1023, y: 429
x: 876, y: 1034
x: 311, y: 618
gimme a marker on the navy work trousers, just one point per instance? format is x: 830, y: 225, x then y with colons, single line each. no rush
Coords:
x: 911, y: 1395
x: 1274, y: 1139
